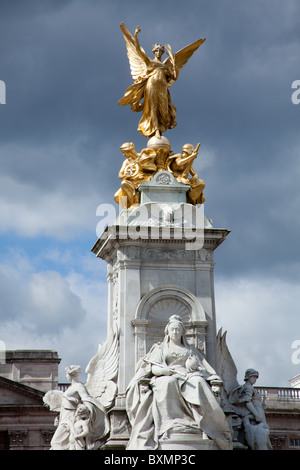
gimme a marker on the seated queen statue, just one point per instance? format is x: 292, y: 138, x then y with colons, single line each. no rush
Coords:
x: 170, y: 393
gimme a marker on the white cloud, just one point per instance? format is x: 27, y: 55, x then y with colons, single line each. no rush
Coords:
x: 262, y: 319
x: 52, y: 302
x: 53, y: 189
x: 40, y: 301
x: 45, y: 310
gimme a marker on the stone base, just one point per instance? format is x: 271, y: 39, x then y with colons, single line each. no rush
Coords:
x: 185, y: 441
x: 163, y: 188
x: 119, y: 426
x: 239, y: 446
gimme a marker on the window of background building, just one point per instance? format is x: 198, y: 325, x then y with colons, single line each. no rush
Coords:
x: 295, y: 442
x: 4, y: 440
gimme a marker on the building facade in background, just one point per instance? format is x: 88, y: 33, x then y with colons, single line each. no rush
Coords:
x: 26, y: 423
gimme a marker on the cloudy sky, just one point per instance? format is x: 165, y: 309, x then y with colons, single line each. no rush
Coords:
x: 65, y: 67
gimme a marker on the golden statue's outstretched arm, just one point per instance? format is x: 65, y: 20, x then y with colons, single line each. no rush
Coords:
x: 139, y: 49
x: 136, y: 55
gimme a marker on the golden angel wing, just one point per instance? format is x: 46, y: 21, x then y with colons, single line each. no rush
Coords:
x: 181, y: 57
x: 137, y: 65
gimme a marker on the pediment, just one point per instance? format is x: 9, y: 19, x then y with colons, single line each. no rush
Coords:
x: 14, y: 393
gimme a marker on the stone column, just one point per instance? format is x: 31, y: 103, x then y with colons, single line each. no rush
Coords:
x: 137, y: 268
x: 128, y: 268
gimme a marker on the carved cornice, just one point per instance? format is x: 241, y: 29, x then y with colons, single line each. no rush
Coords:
x: 21, y: 389
x: 114, y: 238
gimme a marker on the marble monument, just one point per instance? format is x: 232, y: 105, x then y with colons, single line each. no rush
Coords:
x: 164, y: 379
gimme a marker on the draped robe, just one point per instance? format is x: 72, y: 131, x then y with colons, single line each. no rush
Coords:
x: 183, y: 402
x: 151, y: 95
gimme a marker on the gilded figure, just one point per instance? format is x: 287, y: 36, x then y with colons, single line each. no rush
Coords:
x: 152, y: 79
x: 136, y: 168
x: 181, y: 166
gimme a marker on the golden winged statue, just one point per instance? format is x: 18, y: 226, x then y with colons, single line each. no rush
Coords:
x: 152, y: 80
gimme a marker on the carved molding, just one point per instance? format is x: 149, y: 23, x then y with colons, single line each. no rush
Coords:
x: 154, y: 310
x: 16, y: 437
x: 170, y: 296
x: 47, y: 435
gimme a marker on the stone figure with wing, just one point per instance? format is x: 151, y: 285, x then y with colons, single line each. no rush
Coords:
x: 242, y: 402
x: 152, y: 80
x: 82, y: 423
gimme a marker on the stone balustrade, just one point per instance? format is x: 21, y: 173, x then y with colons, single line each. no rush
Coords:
x: 280, y: 397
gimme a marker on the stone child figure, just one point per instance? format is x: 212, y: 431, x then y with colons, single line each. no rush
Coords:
x: 82, y: 420
x: 80, y: 429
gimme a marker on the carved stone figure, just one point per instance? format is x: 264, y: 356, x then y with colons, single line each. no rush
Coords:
x: 247, y: 404
x: 83, y: 423
x: 243, y: 402
x: 81, y: 428
x: 68, y: 435
x: 170, y: 393
x: 152, y: 80
x: 103, y: 368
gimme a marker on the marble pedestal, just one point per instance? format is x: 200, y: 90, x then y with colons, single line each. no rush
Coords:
x: 187, y: 442
x: 160, y: 262
x: 157, y: 267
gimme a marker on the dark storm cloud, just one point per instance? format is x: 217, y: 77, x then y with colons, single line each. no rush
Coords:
x: 65, y: 67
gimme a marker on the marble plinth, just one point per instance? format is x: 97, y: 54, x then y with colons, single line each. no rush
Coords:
x: 163, y: 188
x: 187, y: 441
